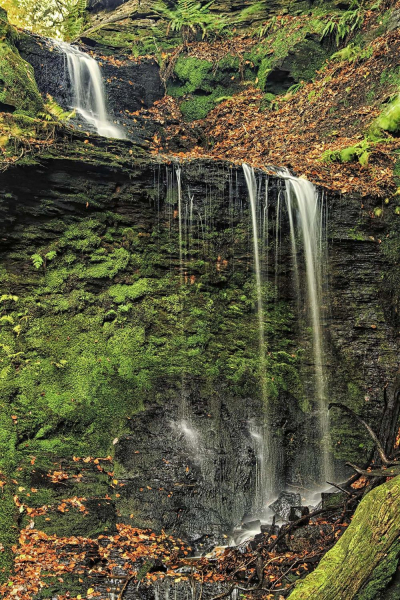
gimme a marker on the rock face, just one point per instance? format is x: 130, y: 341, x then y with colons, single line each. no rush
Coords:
x: 97, y: 5
x: 179, y: 471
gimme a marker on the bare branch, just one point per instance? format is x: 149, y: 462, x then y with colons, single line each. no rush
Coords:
x: 374, y: 437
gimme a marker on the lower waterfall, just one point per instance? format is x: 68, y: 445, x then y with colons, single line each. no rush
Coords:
x: 305, y: 213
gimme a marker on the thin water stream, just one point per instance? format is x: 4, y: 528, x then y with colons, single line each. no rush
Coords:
x: 310, y: 221
x: 266, y: 463
x: 306, y: 222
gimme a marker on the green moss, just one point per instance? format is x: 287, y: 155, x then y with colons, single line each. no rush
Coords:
x: 201, y: 84
x: 363, y: 560
x: 389, y: 120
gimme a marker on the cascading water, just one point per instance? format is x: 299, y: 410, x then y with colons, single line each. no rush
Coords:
x: 265, y: 451
x: 305, y: 213
x: 179, y: 186
x: 88, y: 91
x: 311, y: 226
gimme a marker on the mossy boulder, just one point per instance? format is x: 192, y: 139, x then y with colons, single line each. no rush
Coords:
x: 18, y: 89
x: 363, y: 561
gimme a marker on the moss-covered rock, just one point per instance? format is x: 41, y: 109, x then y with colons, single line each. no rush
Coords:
x: 365, y: 558
x: 18, y: 89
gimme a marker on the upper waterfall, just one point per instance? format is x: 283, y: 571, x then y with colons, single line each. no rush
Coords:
x: 88, y: 91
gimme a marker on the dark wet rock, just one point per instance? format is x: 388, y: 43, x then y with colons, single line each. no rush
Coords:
x: 206, y: 543
x: 199, y: 501
x: 283, y: 504
x: 300, y: 63
x: 270, y: 529
x: 297, y: 512
x: 307, y: 537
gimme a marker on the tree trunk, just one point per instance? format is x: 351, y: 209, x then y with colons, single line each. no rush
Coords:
x: 365, y: 558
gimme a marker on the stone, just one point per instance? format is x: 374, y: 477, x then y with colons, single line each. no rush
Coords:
x: 282, y: 505
x: 270, y: 529
x: 305, y: 538
x: 296, y: 512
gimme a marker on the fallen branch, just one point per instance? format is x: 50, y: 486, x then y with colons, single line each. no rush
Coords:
x: 389, y: 472
x: 127, y: 582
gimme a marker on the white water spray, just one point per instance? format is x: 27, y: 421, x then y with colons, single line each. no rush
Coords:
x: 88, y: 89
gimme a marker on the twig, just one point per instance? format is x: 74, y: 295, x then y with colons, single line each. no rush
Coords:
x: 127, y: 582
x: 339, y: 487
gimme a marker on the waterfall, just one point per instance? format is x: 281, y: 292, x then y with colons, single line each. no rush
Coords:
x: 88, y: 91
x: 306, y: 222
x: 311, y: 227
x: 264, y: 443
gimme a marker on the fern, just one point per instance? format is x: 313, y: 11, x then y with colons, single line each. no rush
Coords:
x: 189, y: 17
x: 37, y: 261
x: 352, y: 53
x: 76, y: 20
x: 341, y: 28
x: 50, y: 255
x: 270, y: 25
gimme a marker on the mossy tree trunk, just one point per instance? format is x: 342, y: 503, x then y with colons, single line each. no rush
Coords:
x: 365, y: 558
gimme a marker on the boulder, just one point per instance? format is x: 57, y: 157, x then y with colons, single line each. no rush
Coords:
x: 332, y: 499
x: 296, y: 512
x: 282, y: 505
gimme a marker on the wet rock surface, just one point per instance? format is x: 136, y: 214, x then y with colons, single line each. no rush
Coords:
x: 283, y: 504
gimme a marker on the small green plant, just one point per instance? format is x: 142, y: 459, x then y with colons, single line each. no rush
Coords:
x: 76, y: 20
x: 360, y: 152
x: 189, y: 18
x: 352, y: 53
x: 53, y: 112
x: 267, y: 27
x: 41, y: 261
x: 295, y: 88
x: 389, y: 119
x: 341, y: 28
x: 37, y: 261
